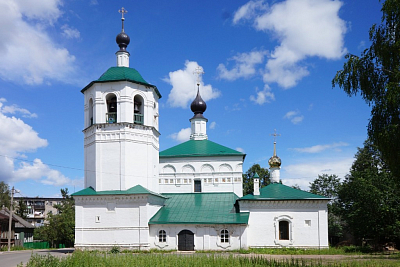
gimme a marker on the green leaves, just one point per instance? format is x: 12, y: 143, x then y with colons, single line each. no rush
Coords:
x: 60, y: 228
x: 369, y: 198
x: 248, y: 184
x: 376, y: 76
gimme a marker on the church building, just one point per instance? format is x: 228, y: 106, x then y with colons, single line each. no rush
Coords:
x: 188, y: 197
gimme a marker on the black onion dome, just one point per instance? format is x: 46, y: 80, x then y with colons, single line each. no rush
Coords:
x: 123, y: 41
x: 198, y: 106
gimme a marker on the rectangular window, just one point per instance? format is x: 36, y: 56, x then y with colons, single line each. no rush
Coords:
x: 162, y: 236
x: 166, y: 181
x: 283, y: 230
x: 178, y: 181
x: 197, y: 185
x: 307, y: 222
x: 229, y: 180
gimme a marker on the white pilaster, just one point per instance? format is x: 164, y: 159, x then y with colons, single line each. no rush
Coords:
x: 198, y: 129
x: 122, y: 59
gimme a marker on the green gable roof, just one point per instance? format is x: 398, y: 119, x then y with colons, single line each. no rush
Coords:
x: 282, y: 192
x: 198, y: 148
x: 199, y: 208
x: 136, y: 190
x: 115, y: 74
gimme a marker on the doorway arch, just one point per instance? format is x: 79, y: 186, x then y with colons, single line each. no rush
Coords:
x: 186, y: 240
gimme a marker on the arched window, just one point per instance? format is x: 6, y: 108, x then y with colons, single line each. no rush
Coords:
x: 162, y: 236
x: 111, y: 108
x: 138, y: 110
x: 91, y: 112
x: 224, y: 236
x: 283, y: 230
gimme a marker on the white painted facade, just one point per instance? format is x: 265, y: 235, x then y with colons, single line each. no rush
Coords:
x: 216, y: 174
x: 121, y: 154
x: 308, y: 223
x: 206, y: 237
x: 106, y: 221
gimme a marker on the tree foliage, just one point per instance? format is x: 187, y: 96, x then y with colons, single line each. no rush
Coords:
x: 376, y: 76
x: 369, y: 198
x: 248, y: 184
x: 21, y: 209
x: 5, y: 198
x: 329, y: 186
x: 60, y: 228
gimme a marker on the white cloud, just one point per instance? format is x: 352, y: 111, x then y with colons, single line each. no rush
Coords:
x: 304, y: 173
x: 264, y: 96
x: 304, y: 28
x: 69, y: 32
x: 248, y: 11
x: 181, y: 136
x: 213, y: 125
x: 294, y: 116
x: 16, y: 138
x: 240, y: 149
x: 41, y: 172
x: 28, y: 54
x: 14, y: 109
x: 245, y: 64
x: 320, y: 148
x: 184, y: 86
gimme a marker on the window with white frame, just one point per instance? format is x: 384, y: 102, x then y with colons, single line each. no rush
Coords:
x: 224, y: 236
x: 162, y: 236
x: 283, y: 230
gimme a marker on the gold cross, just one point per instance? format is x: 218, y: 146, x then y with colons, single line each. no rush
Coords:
x: 275, y: 135
x: 198, y: 71
x: 123, y: 11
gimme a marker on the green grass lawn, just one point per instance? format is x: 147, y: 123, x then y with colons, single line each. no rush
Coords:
x: 98, y: 259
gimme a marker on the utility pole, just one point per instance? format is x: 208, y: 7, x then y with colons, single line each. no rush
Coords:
x: 10, y: 219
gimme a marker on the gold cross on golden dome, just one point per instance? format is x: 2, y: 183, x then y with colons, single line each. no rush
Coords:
x: 275, y: 135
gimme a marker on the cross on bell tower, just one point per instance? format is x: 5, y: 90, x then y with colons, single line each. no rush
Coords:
x: 274, y: 162
x: 123, y: 11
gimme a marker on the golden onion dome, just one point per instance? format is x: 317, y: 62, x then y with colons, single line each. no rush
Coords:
x: 274, y: 162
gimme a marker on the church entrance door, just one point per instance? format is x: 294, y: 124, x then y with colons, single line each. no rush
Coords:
x: 185, y: 240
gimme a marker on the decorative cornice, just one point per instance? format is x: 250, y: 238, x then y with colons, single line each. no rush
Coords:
x: 279, y: 204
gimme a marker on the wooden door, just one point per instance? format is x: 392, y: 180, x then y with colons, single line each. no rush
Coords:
x: 185, y: 240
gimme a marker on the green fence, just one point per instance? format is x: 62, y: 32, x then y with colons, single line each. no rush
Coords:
x: 36, y: 245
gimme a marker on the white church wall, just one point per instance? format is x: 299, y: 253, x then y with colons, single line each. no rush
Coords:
x: 206, y: 237
x: 105, y: 221
x: 126, y: 154
x: 217, y: 174
x: 307, y: 223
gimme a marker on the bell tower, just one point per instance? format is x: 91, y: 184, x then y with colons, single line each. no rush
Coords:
x: 121, y: 143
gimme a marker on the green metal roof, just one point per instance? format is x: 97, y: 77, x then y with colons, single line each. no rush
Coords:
x: 198, y: 148
x: 282, y: 192
x: 115, y: 74
x: 136, y: 190
x: 199, y: 208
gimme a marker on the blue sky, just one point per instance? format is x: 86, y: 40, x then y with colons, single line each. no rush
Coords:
x: 267, y: 65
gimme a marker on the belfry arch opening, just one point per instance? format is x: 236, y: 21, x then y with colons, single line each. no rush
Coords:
x: 91, y: 120
x: 112, y: 110
x: 138, y: 110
